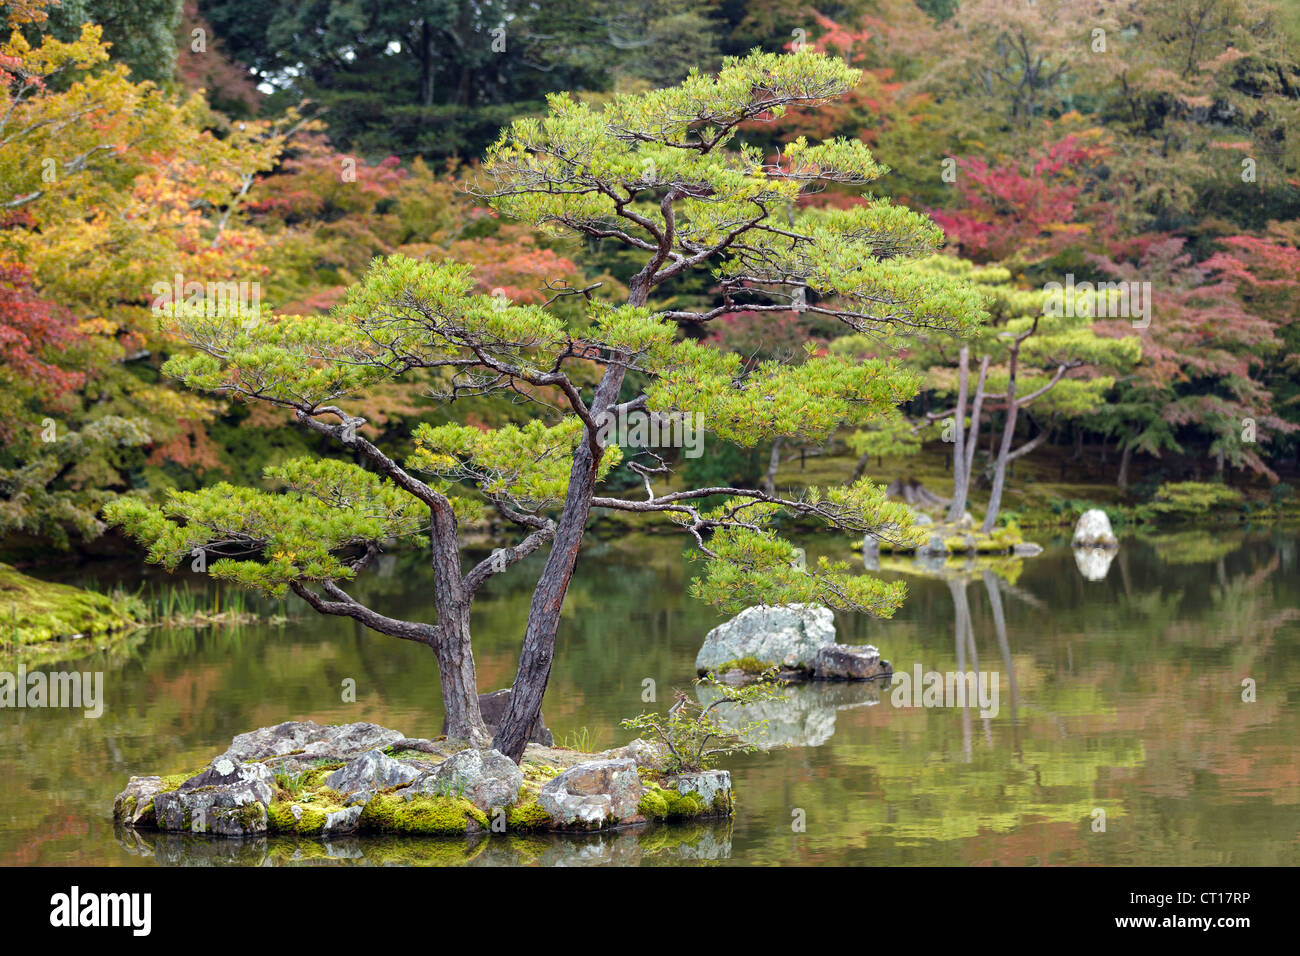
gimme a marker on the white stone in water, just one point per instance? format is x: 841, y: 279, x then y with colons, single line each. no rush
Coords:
x: 786, y: 634
x: 1093, y: 531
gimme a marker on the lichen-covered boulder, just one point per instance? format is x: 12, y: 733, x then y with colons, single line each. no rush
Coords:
x: 301, y: 742
x: 934, y: 547
x: 647, y: 755
x: 371, y: 772
x: 486, y: 778
x: 135, y: 803
x: 493, y: 707
x: 594, y: 794
x: 849, y: 662
x: 788, y: 635
x: 1093, y: 531
x: 227, y: 799
x: 712, y: 786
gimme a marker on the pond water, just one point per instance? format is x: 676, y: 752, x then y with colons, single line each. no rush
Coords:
x: 1121, y: 696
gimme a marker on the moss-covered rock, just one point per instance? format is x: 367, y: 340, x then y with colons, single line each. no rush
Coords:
x: 426, y: 814
x: 287, y: 796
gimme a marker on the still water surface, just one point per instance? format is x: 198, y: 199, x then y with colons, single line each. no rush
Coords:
x: 1122, y: 695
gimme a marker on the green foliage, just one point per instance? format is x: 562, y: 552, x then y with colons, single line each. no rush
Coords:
x: 326, y: 507
x: 691, y: 731
x: 1187, y: 498
x: 528, y: 466
x: 747, y: 564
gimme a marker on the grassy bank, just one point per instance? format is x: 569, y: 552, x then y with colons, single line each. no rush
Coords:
x: 36, y: 612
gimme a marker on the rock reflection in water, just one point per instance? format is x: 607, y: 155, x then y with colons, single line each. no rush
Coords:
x: 1093, y: 563
x: 663, y: 844
x: 805, y: 717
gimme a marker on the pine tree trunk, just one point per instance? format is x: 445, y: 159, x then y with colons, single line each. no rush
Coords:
x: 538, y: 650
x: 966, y: 462
x: 452, y: 644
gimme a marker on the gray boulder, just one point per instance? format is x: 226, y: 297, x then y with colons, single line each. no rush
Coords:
x: 849, y: 662
x: 130, y: 805
x: 787, y: 634
x: 338, y: 821
x: 594, y: 793
x: 709, y: 784
x: 371, y: 772
x: 301, y: 742
x: 1093, y: 531
x: 227, y: 799
x: 935, y: 547
x: 486, y: 778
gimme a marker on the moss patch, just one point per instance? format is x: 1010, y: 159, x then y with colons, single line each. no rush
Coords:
x: 749, y: 665
x: 390, y: 813
x: 34, y: 611
x: 660, y: 803
x: 527, y: 813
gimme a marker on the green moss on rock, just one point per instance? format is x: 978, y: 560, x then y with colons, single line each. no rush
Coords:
x: 390, y: 813
x: 748, y: 665
x: 653, y: 806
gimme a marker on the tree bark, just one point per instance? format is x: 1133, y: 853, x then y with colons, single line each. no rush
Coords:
x: 859, y: 468
x: 1004, y: 449
x: 538, y: 652
x: 773, y: 463
x: 972, y: 436
x: 960, y: 478
x: 1121, y: 480
x: 451, y: 642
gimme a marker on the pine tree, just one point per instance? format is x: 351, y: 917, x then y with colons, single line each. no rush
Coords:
x: 660, y: 174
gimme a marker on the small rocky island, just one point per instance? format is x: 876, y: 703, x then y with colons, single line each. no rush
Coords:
x: 305, y: 778
x: 796, y: 639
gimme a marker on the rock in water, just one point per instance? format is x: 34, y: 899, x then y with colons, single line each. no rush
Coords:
x: 934, y: 547
x: 788, y: 635
x: 1093, y: 531
x: 136, y: 802
x: 712, y: 786
x: 849, y: 662
x: 594, y: 792
x: 227, y: 799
